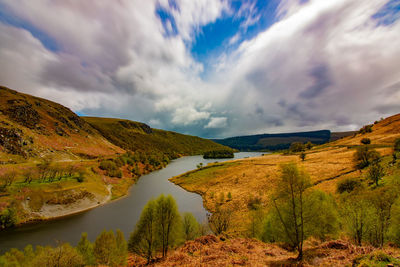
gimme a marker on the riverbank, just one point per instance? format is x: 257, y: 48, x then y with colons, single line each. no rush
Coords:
x: 240, y: 185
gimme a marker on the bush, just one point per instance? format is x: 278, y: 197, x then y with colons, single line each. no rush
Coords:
x: 219, y: 154
x: 348, y: 185
x: 111, y: 168
x: 297, y: 147
x: 366, y: 129
x: 108, y: 165
x: 220, y: 221
x: 364, y: 156
x: 376, y: 172
x: 254, y: 203
x: 366, y: 141
x: 397, y: 145
x: 7, y: 218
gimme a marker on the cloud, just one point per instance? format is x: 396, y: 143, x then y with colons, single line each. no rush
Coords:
x: 217, y: 122
x: 321, y: 64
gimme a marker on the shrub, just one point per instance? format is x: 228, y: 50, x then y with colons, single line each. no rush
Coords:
x: 220, y: 221
x: 309, y: 145
x: 366, y: 141
x: 397, y: 145
x: 108, y: 165
x: 364, y: 156
x: 366, y: 129
x: 303, y: 156
x: 219, y: 154
x: 348, y: 185
x: 229, y: 196
x: 297, y: 147
x: 376, y: 172
x: 254, y: 203
x: 111, y: 168
x: 7, y: 218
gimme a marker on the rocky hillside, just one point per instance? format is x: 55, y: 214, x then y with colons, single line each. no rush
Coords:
x: 32, y: 127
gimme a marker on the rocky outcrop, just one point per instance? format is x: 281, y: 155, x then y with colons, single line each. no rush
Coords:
x: 13, y: 142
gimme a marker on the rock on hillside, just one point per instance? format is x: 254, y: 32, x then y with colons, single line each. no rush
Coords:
x: 32, y: 127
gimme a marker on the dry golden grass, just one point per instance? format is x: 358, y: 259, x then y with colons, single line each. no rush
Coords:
x: 212, y: 251
x: 326, y: 165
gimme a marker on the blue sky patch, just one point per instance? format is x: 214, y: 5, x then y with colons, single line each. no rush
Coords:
x: 389, y: 13
x: 6, y: 17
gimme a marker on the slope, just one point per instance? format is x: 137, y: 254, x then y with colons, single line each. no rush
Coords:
x: 32, y: 127
x: 139, y: 136
x: 274, y: 141
x: 255, y: 179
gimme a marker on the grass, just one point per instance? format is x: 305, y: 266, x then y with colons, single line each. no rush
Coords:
x: 134, y: 136
x: 327, y: 165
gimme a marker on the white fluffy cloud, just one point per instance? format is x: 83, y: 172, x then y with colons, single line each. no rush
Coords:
x: 323, y: 64
x: 217, y: 122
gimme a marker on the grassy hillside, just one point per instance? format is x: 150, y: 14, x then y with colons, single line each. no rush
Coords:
x: 139, y: 136
x: 274, y: 141
x: 54, y: 163
x: 256, y: 178
x: 32, y: 127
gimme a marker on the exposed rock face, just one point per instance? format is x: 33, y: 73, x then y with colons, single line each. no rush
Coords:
x: 23, y: 113
x: 12, y: 141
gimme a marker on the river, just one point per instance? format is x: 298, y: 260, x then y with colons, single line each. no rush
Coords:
x: 120, y: 214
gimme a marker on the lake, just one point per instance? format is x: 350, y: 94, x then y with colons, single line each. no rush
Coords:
x: 120, y: 214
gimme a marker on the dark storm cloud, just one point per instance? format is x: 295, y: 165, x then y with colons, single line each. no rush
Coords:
x: 322, y: 64
x: 322, y: 81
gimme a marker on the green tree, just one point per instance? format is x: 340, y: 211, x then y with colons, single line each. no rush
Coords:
x: 394, y: 229
x: 8, y: 218
x: 382, y: 200
x: 297, y: 147
x: 298, y: 211
x: 143, y: 241
x: 356, y: 213
x: 168, y: 222
x: 61, y: 256
x: 220, y: 221
x: 85, y: 248
x: 376, y: 172
x: 190, y: 226
x: 364, y: 156
x: 397, y: 145
x: 255, y: 227
x: 309, y: 145
x: 122, y: 249
x: 105, y: 248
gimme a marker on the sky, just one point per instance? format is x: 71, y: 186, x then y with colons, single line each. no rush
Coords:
x: 211, y: 68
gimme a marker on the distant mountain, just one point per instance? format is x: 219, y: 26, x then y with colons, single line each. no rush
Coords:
x: 274, y: 141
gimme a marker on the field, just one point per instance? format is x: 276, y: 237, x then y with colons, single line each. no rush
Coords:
x: 255, y: 179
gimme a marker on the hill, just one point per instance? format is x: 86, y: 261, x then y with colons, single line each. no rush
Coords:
x: 256, y: 178
x: 54, y: 163
x: 32, y: 127
x: 274, y: 141
x: 134, y: 136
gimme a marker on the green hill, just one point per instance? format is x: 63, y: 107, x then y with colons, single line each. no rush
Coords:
x: 134, y: 136
x: 274, y: 141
